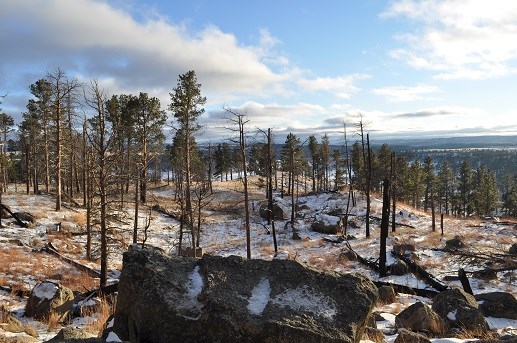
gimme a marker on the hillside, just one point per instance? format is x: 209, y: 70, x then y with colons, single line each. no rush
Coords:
x: 24, y: 261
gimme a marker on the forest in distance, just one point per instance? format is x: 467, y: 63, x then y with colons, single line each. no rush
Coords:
x: 122, y: 141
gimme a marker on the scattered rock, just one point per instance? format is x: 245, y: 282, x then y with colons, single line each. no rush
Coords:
x: 71, y: 333
x: 460, y: 310
x: 278, y: 212
x: 403, y: 248
x: 387, y: 295
x: 419, y: 317
x: 49, y: 297
x: 399, y: 268
x: 455, y: 243
x: 231, y: 299
x: 325, y: 223
x: 406, y: 336
x: 25, y: 217
x: 497, y: 304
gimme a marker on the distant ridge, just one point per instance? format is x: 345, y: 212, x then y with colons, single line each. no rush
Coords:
x: 500, y: 142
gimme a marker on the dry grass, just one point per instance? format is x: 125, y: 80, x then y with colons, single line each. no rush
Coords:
x: 105, y: 309
x: 326, y: 261
x: 475, y: 333
x: 53, y: 321
x: 78, y: 218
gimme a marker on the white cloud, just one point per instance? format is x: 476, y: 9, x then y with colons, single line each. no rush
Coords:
x: 341, y: 86
x: 404, y: 93
x: 461, y: 39
x: 92, y: 38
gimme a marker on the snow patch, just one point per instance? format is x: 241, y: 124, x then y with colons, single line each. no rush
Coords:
x: 112, y: 337
x: 259, y: 297
x: 195, y: 283
x: 327, y: 220
x: 110, y: 323
x: 45, y: 290
x: 452, y: 315
x: 301, y: 299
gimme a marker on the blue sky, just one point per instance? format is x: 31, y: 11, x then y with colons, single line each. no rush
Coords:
x: 408, y: 68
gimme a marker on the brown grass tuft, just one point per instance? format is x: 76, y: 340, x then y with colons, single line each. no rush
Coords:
x: 105, y: 310
x: 78, y: 218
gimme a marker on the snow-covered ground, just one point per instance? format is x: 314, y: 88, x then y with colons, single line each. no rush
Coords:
x: 223, y: 233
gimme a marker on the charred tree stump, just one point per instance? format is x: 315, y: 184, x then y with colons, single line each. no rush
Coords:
x: 465, y: 281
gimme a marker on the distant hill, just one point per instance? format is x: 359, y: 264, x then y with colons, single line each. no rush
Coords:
x: 500, y: 142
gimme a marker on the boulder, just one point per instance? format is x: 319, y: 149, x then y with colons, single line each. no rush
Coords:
x: 406, y: 336
x: 72, y: 334
x: 325, y: 223
x: 26, y: 217
x: 399, y: 268
x: 230, y: 299
x: 387, y: 295
x: 497, y: 304
x: 455, y: 243
x: 403, y: 248
x: 49, y: 297
x: 460, y: 310
x: 513, y: 249
x: 419, y: 317
x: 278, y: 212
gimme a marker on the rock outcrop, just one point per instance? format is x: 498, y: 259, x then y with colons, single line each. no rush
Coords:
x: 460, y: 310
x: 497, y: 304
x: 49, y: 297
x: 218, y: 299
x: 325, y: 223
x: 419, y: 317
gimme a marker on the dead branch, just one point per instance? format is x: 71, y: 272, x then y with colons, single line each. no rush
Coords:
x: 53, y: 251
x: 421, y: 273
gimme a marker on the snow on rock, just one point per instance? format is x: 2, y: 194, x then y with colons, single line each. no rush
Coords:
x: 259, y: 297
x: 452, y: 315
x: 195, y: 283
x: 112, y: 337
x: 45, y: 290
x: 327, y: 220
x: 301, y: 299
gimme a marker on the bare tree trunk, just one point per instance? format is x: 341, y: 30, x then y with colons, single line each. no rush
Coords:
x: 384, y: 226
x: 135, y: 222
x: 271, y: 218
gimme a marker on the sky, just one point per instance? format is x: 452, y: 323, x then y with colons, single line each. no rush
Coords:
x: 407, y: 69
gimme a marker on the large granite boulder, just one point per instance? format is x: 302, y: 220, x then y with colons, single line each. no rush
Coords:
x: 460, y: 310
x: 419, y: 317
x: 278, y: 211
x: 231, y: 299
x: 497, y: 304
x: 325, y: 223
x: 48, y: 298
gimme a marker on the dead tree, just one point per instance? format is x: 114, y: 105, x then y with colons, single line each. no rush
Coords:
x: 384, y: 227
x: 238, y: 119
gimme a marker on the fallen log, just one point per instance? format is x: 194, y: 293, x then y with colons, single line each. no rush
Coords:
x: 106, y: 290
x: 370, y: 264
x: 18, y: 220
x: 162, y: 210
x: 421, y: 273
x: 53, y: 251
x: 427, y: 293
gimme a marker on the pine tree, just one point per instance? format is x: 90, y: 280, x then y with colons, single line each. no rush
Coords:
x: 186, y: 106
